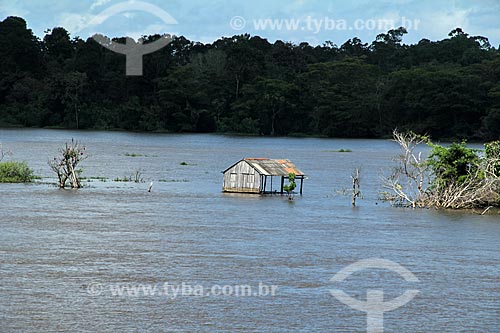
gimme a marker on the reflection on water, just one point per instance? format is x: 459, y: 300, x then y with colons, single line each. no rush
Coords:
x: 54, y: 243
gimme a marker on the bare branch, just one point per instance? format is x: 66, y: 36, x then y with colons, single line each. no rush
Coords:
x: 65, y: 165
x: 356, y: 192
x: 406, y: 184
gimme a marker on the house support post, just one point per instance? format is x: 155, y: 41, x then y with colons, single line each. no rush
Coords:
x: 282, y: 184
x: 301, y: 183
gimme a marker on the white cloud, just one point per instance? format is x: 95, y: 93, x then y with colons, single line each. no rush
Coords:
x: 73, y: 22
x: 437, y: 25
x: 389, y: 20
x: 98, y: 3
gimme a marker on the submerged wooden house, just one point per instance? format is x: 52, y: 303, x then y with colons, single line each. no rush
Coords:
x: 256, y: 175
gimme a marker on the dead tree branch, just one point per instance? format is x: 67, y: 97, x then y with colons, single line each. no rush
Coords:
x: 356, y: 192
x: 65, y: 165
x: 406, y: 184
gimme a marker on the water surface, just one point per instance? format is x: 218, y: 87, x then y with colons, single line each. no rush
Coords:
x: 54, y: 244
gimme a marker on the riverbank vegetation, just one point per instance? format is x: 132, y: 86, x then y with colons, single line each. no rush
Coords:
x: 12, y: 171
x: 15, y: 172
x: 453, y: 177
x: 244, y: 84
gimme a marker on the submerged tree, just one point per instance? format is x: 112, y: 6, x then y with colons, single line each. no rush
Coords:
x: 462, y: 178
x: 492, y: 151
x: 454, y: 177
x: 66, y: 163
x: 356, y: 191
x: 409, y: 177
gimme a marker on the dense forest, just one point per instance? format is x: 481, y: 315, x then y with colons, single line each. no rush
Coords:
x: 243, y: 84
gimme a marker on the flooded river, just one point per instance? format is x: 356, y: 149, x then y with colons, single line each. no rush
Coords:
x: 112, y: 257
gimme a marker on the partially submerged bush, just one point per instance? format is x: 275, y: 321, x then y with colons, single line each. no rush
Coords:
x: 15, y: 172
x: 455, y: 163
x: 492, y: 151
x: 452, y: 177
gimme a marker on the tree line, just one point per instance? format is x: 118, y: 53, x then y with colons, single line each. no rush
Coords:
x: 449, y: 89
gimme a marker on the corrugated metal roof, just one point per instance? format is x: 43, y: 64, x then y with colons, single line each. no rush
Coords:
x: 270, y: 167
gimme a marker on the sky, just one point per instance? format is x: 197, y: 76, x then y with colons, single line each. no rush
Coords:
x: 312, y: 21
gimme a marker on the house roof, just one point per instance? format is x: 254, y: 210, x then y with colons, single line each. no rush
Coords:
x: 271, y: 167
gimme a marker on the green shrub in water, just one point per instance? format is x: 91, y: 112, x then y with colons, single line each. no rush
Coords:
x: 15, y: 172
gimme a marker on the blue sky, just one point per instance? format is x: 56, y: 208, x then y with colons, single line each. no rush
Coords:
x: 316, y: 21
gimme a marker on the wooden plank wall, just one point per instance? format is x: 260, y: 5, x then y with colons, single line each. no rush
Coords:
x: 242, y: 178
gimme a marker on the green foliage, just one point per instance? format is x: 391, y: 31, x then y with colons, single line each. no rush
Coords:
x: 101, y: 179
x: 452, y: 164
x: 342, y: 97
x: 246, y: 85
x: 291, y: 185
x: 15, y: 172
x: 136, y: 177
x: 492, y: 152
x: 125, y: 179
